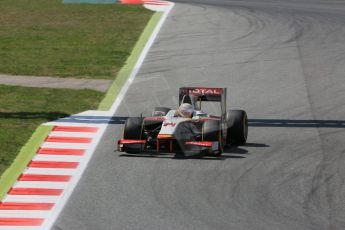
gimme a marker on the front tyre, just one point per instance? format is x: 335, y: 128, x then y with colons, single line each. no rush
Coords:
x: 237, y: 131
x: 133, y: 131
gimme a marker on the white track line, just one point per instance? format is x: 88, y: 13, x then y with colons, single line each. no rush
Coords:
x: 140, y: 61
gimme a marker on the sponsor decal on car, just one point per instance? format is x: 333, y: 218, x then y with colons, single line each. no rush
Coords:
x: 204, y: 91
x: 172, y: 124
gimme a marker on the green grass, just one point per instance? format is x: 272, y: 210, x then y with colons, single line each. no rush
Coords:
x: 23, y: 109
x: 21, y: 161
x: 48, y: 38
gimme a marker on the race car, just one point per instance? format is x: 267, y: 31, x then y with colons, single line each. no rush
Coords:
x: 165, y: 131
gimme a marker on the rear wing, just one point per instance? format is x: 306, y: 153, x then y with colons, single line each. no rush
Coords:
x: 204, y: 94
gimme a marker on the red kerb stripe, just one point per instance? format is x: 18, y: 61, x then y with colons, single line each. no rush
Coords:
x: 39, y: 177
x: 75, y: 129
x: 35, y: 191
x: 68, y: 139
x: 53, y: 164
x: 132, y: 1
x: 21, y: 221
x: 54, y: 151
x: 25, y: 206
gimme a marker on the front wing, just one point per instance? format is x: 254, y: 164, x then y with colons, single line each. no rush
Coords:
x: 168, y: 146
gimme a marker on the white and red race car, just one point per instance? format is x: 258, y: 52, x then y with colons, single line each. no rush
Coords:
x: 166, y: 132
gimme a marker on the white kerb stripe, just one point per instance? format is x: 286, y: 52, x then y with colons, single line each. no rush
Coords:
x: 65, y: 158
x: 40, y: 184
x: 60, y: 145
x: 70, y: 134
x: 23, y: 214
x: 18, y: 228
x: 50, y: 171
x: 31, y: 199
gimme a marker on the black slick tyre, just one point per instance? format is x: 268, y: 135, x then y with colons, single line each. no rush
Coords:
x: 133, y: 131
x: 237, y: 131
x: 211, y: 131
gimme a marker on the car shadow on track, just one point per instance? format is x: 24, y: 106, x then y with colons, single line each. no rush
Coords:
x: 176, y: 157
x: 116, y: 120
x: 296, y: 123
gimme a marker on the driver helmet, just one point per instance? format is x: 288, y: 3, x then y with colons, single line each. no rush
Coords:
x: 186, y: 110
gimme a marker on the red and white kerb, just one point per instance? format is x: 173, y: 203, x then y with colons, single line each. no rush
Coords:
x: 40, y: 188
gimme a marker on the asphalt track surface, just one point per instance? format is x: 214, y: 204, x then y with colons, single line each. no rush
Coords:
x: 284, y: 63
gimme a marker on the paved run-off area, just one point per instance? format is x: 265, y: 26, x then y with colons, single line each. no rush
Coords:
x: 283, y: 63
x: 55, y: 82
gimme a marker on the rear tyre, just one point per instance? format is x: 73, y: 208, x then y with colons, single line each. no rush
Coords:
x: 133, y: 131
x: 160, y: 111
x: 237, y: 131
x: 211, y: 131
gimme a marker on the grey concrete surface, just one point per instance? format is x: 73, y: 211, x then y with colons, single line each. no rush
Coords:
x: 284, y: 63
x: 55, y: 82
